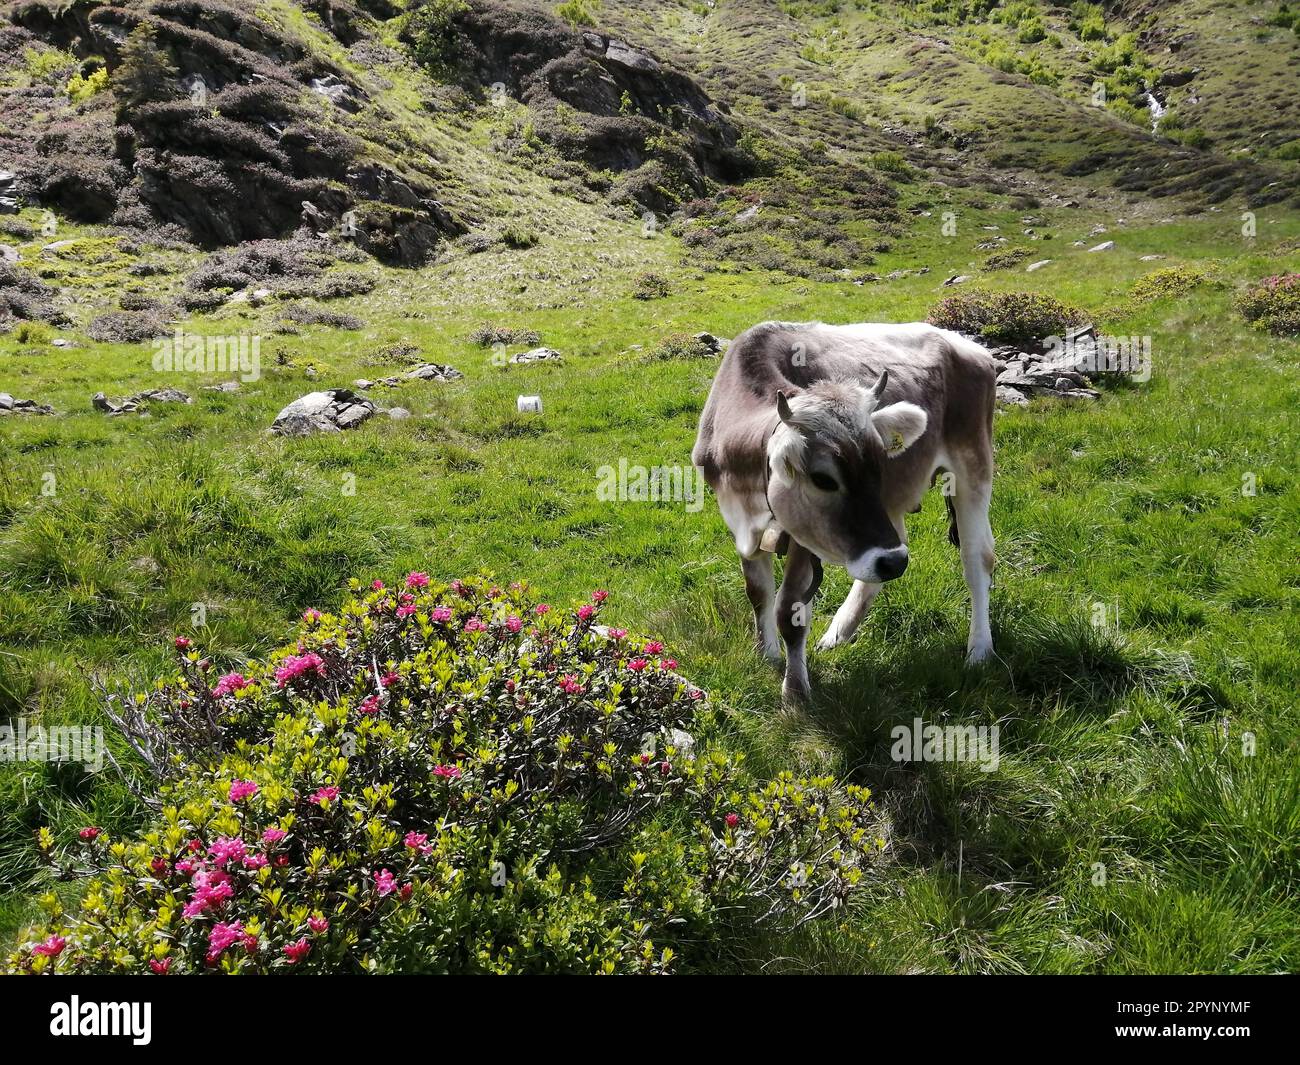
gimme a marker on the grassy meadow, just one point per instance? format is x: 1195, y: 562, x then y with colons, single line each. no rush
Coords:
x: 1129, y: 827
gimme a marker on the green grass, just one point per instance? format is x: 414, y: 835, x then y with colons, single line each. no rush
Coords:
x: 1121, y: 747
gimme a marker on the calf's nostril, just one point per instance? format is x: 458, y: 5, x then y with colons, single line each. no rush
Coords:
x: 892, y: 564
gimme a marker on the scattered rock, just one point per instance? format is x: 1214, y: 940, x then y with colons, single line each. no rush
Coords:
x: 8, y: 253
x: 1149, y: 258
x: 1105, y: 245
x: 1037, y: 266
x: 956, y: 279
x: 9, y: 405
x: 715, y: 344
x: 1012, y: 396
x: 330, y: 411
x: 140, y: 400
x: 398, y: 413
x: 433, y: 371
x: 537, y: 355
x: 225, y: 386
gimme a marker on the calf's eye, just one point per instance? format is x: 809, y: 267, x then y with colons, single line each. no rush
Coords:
x: 824, y: 481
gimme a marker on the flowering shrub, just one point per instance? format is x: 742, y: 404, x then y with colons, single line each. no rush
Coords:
x: 445, y: 778
x: 1273, y: 303
x: 1006, y: 317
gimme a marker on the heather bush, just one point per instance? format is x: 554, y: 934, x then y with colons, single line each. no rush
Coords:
x: 1273, y: 304
x: 489, y: 333
x: 450, y: 778
x: 682, y: 346
x: 1006, y: 317
x: 650, y: 286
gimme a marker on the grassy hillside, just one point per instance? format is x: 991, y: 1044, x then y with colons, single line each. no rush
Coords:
x: 1122, y: 746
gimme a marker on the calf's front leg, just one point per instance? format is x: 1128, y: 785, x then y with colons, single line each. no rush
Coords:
x: 803, y: 576
x: 761, y: 589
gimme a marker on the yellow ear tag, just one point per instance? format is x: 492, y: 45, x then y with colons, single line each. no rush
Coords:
x: 896, y: 443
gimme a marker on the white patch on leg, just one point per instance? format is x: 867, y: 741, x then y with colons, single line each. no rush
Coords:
x: 747, y: 517
x: 850, y: 615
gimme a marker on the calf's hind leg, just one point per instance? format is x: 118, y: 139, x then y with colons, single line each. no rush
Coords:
x: 803, y: 576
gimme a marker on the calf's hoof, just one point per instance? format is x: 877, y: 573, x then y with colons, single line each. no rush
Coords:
x: 795, y: 691
x: 978, y: 653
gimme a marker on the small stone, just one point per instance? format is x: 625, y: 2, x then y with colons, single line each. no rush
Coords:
x: 1105, y: 245
x: 1012, y: 396
x: 398, y: 413
x: 1037, y: 266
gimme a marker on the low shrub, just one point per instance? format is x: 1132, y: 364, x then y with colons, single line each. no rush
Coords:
x: 445, y: 778
x: 650, y: 286
x: 682, y: 346
x: 1172, y: 281
x: 1273, y: 304
x: 1006, y: 259
x: 490, y: 334
x: 1006, y: 317
x: 126, y: 327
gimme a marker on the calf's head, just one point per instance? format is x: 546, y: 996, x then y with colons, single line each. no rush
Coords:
x: 826, y: 461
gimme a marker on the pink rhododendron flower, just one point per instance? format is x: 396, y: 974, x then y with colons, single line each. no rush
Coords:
x: 223, y: 936
x: 255, y: 861
x: 514, y: 624
x: 318, y: 924
x: 311, y: 614
x: 182, y: 643
x: 668, y: 663
x: 158, y: 867
x: 665, y: 768
x: 377, y: 585
x: 617, y: 634
x: 195, y: 845
x: 416, y: 840
x: 449, y: 772
x: 227, y: 848
x: 417, y: 580
x: 585, y: 611
x: 51, y: 947
x: 296, y: 665
x: 406, y: 611
x: 475, y: 625
x: 273, y: 835
x: 385, y: 883
x: 653, y: 647
x: 697, y: 694
x: 733, y: 820
x: 637, y: 664
x: 295, y: 952
x: 440, y: 614
x: 88, y: 833
x: 160, y: 965
x: 231, y: 682
x: 324, y: 795
x: 369, y: 705
x: 389, y: 679
x: 599, y: 595
x: 542, y: 608
x: 242, y: 789
x: 405, y: 892
x: 570, y: 684
x: 185, y: 867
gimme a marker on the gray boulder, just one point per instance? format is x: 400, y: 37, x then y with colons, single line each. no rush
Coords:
x: 330, y: 411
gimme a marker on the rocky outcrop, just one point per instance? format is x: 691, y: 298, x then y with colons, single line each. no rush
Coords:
x: 330, y: 411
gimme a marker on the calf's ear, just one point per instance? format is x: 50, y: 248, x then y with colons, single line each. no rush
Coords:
x: 900, y: 425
